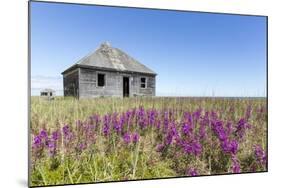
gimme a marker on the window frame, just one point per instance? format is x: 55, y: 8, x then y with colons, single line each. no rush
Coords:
x: 97, y: 82
x: 145, y: 83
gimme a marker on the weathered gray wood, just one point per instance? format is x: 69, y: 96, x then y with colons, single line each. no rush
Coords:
x: 82, y: 83
x: 71, y: 83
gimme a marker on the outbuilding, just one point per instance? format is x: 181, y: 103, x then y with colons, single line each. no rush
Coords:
x: 48, y: 93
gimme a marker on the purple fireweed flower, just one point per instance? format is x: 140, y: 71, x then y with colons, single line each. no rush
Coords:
x: 135, y: 137
x: 106, y: 125
x: 43, y: 134
x: 178, y: 141
x: 196, y: 115
x: 67, y: 134
x: 171, y: 134
x: 260, y: 154
x: 142, y: 123
x: 234, y: 146
x: 206, y: 115
x: 158, y: 124
x: 128, y: 117
x: 37, y: 147
x: 225, y: 146
x: 217, y: 127
x: 66, y: 130
x: 187, y: 116
x: 188, y: 119
x: 192, y: 172
x: 95, y: 120
x: 205, y: 119
x: 235, y: 165
x: 186, y: 128
x: 242, y: 126
x: 230, y: 146
x: 91, y: 137
x: 55, y: 135
x: 87, y: 128
x: 222, y: 135
x: 37, y: 141
x: 51, y: 144
x: 133, y: 113
x: 160, y: 147
x: 141, y: 117
x: 128, y: 114
x: 116, y: 124
x: 173, y: 129
x: 82, y: 146
x: 202, y: 131
x: 106, y: 130
x: 52, y: 147
x: 236, y: 168
x: 123, y: 120
x: 166, y: 121
x: 169, y: 138
x: 127, y: 138
x: 151, y: 116
x: 204, y: 122
x: 187, y: 148
x: 196, y: 148
x: 229, y: 128
x: 242, y: 122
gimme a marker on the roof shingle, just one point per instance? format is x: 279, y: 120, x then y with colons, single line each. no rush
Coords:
x: 112, y: 58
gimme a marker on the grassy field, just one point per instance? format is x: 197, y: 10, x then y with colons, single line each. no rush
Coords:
x: 111, y: 139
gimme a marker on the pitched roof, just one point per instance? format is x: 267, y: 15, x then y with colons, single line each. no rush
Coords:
x: 108, y: 57
x: 47, y: 90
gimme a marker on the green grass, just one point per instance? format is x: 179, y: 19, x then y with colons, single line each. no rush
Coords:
x: 113, y: 161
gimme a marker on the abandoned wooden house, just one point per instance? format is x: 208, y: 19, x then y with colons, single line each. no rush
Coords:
x: 108, y: 72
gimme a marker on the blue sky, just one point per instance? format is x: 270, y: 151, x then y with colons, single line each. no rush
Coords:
x: 194, y: 54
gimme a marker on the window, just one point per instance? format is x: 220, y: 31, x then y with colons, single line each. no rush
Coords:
x: 101, y: 80
x: 143, y: 82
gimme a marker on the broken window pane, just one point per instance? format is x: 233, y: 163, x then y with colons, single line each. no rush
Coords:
x: 143, y: 82
x: 101, y: 80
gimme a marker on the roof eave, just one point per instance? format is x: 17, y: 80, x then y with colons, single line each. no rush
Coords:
x: 70, y: 68
x: 110, y: 69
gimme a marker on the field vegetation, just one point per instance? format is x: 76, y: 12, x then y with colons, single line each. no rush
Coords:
x: 112, y: 139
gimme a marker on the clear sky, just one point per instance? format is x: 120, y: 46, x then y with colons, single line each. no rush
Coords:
x: 194, y: 54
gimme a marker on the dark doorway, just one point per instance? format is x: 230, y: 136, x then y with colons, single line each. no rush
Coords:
x: 126, y: 87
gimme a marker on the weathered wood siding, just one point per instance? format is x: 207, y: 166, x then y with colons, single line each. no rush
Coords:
x: 71, y: 83
x: 113, y: 84
x: 88, y: 84
x: 136, y: 89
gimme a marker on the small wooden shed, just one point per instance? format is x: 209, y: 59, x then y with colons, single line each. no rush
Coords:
x: 108, y: 71
x: 48, y: 93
